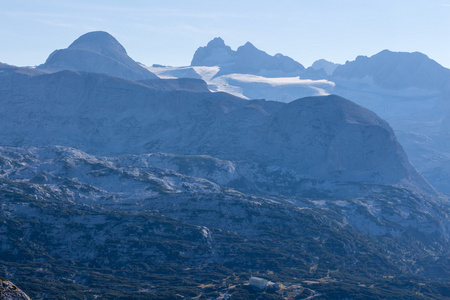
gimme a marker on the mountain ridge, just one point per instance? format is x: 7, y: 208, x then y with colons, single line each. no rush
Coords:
x: 397, y: 70
x: 113, y: 115
x: 409, y: 90
x: 246, y: 59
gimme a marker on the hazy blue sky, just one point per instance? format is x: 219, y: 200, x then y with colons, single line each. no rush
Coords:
x: 169, y: 32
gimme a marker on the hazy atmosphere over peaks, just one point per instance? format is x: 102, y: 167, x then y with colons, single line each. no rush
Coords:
x: 169, y: 32
x: 168, y: 150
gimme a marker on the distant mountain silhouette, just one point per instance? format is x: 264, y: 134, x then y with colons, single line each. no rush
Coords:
x: 97, y: 52
x: 247, y: 59
x: 397, y: 70
x: 325, y: 65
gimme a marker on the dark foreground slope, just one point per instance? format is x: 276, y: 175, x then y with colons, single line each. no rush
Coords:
x: 75, y: 225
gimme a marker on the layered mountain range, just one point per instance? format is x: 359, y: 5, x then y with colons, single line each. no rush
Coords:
x: 322, y: 138
x: 409, y: 90
x: 117, y: 184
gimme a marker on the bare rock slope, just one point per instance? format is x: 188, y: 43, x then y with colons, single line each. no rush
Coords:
x: 8, y: 291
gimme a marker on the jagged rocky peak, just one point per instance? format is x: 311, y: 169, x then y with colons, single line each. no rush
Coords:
x: 397, y: 70
x: 247, y: 59
x: 215, y: 53
x: 217, y: 42
x: 247, y: 47
x: 9, y: 291
x: 97, y: 52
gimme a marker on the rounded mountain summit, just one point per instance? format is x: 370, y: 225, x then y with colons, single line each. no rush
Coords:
x: 97, y: 52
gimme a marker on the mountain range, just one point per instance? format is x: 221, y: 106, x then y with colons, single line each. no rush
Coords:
x: 409, y: 90
x: 322, y: 138
x: 246, y: 59
x: 397, y: 70
x: 115, y: 183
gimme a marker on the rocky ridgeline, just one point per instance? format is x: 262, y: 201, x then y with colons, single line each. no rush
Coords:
x: 246, y: 59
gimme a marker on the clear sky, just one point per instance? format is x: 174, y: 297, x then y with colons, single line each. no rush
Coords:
x: 168, y: 32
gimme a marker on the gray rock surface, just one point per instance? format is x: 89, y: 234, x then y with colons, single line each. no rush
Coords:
x: 9, y: 291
